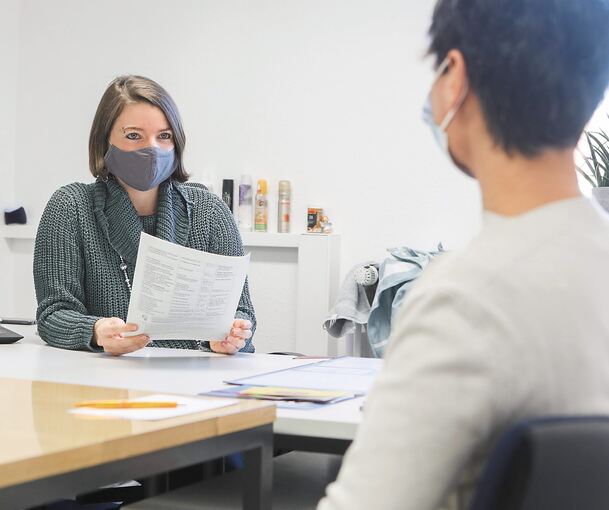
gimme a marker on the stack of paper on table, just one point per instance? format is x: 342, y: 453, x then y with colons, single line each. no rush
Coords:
x: 347, y: 374
x: 316, y: 384
x: 281, y: 401
x: 281, y: 394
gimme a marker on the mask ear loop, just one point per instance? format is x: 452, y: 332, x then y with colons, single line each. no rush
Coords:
x: 453, y: 111
x: 442, y: 67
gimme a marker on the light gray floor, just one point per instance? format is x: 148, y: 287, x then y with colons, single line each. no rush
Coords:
x: 299, y: 482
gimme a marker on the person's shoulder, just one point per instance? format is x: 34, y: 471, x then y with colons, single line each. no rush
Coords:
x: 466, y: 272
x: 74, y: 194
x: 448, y: 268
x: 67, y: 207
x: 195, y: 191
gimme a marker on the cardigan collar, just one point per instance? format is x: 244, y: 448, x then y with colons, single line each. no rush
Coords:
x: 120, y: 223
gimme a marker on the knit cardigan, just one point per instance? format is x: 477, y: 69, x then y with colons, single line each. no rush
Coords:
x: 84, y: 230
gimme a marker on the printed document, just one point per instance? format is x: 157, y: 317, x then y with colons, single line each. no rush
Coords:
x: 183, y: 294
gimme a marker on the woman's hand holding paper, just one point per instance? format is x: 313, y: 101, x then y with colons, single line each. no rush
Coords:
x: 235, y: 340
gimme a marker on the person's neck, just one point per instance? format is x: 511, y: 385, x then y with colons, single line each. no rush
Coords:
x: 144, y: 202
x: 512, y: 185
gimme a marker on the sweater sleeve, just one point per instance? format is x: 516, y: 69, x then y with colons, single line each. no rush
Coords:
x: 63, y: 319
x: 440, y: 397
x: 226, y: 240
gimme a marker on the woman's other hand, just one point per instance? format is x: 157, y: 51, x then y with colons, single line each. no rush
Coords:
x: 235, y: 340
x: 109, y: 333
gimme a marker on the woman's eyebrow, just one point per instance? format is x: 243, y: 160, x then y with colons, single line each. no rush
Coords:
x: 134, y: 128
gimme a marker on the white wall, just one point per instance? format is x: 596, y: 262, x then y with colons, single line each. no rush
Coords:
x: 8, y: 92
x: 600, y: 120
x: 326, y: 93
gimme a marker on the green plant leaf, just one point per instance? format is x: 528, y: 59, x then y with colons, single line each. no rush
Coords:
x: 600, y: 157
x: 586, y: 176
x: 597, y: 177
x: 602, y: 154
x: 603, y: 135
x: 592, y: 175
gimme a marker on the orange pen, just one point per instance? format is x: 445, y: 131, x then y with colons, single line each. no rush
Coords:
x: 124, y: 404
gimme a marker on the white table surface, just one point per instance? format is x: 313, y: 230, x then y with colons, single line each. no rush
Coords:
x: 170, y: 371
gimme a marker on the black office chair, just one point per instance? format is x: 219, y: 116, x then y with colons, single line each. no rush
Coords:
x: 554, y: 463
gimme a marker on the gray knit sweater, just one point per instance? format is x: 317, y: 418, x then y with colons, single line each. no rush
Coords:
x: 84, y: 230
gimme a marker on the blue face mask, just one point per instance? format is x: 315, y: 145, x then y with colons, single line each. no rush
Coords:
x: 438, y: 133
x: 142, y: 169
x: 439, y: 130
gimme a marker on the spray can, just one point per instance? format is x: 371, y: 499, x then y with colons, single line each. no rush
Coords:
x: 227, y: 193
x: 283, y: 207
x: 245, y: 203
x: 261, y: 211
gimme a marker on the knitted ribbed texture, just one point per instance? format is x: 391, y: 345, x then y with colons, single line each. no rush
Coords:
x: 149, y: 224
x: 84, y: 230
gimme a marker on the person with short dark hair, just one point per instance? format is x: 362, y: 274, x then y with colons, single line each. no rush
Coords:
x: 88, y: 237
x: 515, y: 325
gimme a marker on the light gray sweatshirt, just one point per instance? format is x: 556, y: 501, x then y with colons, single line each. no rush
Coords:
x: 514, y: 326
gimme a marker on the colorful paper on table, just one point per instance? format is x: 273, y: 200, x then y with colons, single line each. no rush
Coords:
x: 280, y: 393
x: 280, y: 402
x: 186, y: 405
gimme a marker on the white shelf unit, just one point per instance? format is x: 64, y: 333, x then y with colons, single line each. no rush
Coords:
x: 317, y: 284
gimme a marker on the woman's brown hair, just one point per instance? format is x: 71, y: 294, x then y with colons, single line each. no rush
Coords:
x: 126, y: 90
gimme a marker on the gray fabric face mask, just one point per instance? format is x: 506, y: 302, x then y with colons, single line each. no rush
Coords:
x: 142, y: 169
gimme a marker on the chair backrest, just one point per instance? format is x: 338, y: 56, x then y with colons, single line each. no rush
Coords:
x: 553, y: 463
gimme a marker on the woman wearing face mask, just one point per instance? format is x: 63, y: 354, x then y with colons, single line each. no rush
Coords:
x: 87, y: 241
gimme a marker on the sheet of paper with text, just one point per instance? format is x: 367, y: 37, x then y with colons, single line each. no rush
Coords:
x: 179, y: 293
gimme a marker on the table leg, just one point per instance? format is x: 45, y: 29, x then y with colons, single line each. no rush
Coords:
x: 258, y: 475
x: 155, y: 485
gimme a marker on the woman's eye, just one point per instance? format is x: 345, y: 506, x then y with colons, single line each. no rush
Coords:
x: 165, y: 136
x: 133, y: 136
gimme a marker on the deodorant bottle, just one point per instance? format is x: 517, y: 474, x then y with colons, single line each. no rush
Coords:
x: 283, y: 207
x: 261, y: 211
x: 227, y: 193
x: 246, y: 210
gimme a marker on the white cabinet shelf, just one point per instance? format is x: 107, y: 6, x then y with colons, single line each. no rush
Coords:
x: 18, y: 232
x: 250, y: 239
